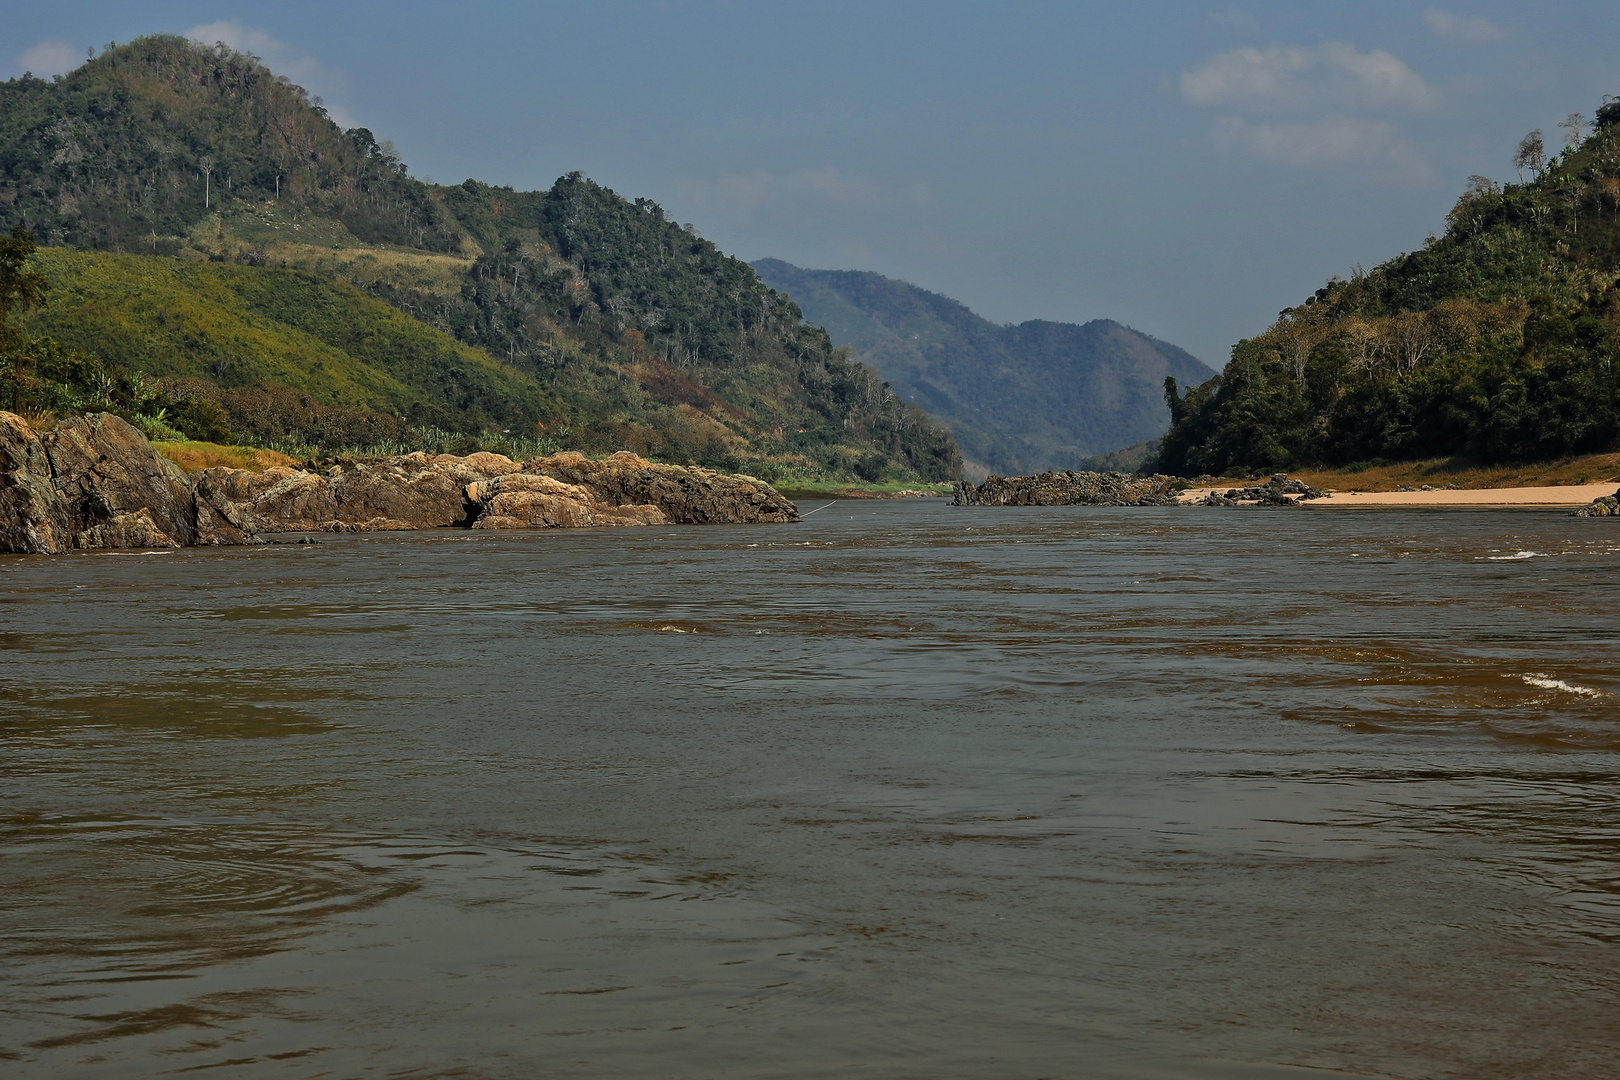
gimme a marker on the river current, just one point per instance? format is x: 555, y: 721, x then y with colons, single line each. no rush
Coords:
x: 904, y: 791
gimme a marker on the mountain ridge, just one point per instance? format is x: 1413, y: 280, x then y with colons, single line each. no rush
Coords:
x: 1019, y: 398
x: 632, y: 332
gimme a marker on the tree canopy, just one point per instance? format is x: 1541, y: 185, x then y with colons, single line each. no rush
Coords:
x: 1496, y: 340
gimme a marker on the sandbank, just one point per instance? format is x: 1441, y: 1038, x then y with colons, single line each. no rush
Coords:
x: 1568, y: 496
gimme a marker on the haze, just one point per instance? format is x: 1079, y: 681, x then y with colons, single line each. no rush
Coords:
x: 1188, y: 169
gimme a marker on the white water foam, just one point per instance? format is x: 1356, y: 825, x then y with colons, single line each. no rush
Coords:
x: 1547, y: 682
x: 1518, y: 555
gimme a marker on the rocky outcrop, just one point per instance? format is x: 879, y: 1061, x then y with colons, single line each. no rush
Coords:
x: 95, y: 482
x: 1602, y: 506
x: 534, y: 501
x: 686, y: 495
x: 1278, y: 491
x: 1068, y: 489
x: 488, y: 491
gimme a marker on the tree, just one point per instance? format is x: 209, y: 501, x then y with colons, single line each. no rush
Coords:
x: 21, y: 290
x: 206, y: 164
x: 1573, y: 126
x: 1532, y: 155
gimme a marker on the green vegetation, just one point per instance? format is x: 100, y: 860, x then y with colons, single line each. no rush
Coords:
x: 834, y: 489
x: 242, y: 254
x: 246, y: 336
x: 133, y: 149
x: 194, y: 456
x: 1496, y: 341
x: 1019, y: 399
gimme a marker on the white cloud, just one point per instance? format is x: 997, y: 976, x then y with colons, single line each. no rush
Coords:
x: 1302, y: 78
x: 1462, y: 29
x: 51, y: 57
x: 1374, y: 149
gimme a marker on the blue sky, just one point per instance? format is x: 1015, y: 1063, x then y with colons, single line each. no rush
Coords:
x: 1187, y: 168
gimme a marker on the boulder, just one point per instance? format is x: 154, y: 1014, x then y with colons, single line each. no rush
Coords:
x: 117, y: 490
x: 684, y: 494
x: 536, y: 501
x: 1274, y: 492
x: 1602, y: 506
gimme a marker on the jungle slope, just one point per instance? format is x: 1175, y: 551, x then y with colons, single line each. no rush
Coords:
x: 1495, y: 342
x: 604, y: 321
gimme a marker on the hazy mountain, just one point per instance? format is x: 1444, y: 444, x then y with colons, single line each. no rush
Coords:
x: 1019, y: 399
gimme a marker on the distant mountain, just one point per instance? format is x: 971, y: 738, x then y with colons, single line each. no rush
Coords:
x: 1019, y: 399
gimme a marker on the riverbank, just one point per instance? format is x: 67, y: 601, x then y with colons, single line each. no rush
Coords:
x: 95, y: 482
x: 1559, y: 497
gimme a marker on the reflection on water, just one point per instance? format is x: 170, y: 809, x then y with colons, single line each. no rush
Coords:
x: 906, y: 789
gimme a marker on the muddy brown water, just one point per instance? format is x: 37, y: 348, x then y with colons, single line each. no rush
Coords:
x: 903, y: 791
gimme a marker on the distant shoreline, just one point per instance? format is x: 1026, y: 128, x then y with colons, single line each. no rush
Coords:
x: 1567, y: 497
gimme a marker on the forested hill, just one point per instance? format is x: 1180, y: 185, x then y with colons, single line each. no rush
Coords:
x: 1019, y: 399
x: 1495, y: 341
x: 614, y: 327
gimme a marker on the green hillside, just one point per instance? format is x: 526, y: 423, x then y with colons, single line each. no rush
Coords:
x: 240, y: 327
x: 1496, y: 341
x: 132, y: 150
x: 1019, y: 399
x: 295, y: 271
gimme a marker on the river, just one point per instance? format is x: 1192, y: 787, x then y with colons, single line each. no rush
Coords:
x: 904, y: 791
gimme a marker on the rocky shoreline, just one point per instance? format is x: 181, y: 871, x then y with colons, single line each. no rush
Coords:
x: 1068, y: 489
x: 96, y: 482
x: 1278, y: 491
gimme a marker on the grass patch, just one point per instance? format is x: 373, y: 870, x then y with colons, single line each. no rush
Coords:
x: 839, y: 489
x: 197, y: 456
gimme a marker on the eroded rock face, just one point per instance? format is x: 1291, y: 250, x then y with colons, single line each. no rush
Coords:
x: 95, y: 482
x: 117, y: 490
x: 32, y: 517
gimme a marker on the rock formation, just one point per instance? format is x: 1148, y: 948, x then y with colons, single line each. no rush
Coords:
x: 1602, y: 506
x: 1278, y: 491
x: 1068, y: 489
x: 95, y: 482
x: 488, y: 491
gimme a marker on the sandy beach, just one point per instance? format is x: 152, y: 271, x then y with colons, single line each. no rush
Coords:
x: 1561, y: 497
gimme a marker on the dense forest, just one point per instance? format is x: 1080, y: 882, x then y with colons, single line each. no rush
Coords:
x: 593, y: 318
x: 1496, y: 341
x: 1019, y: 399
